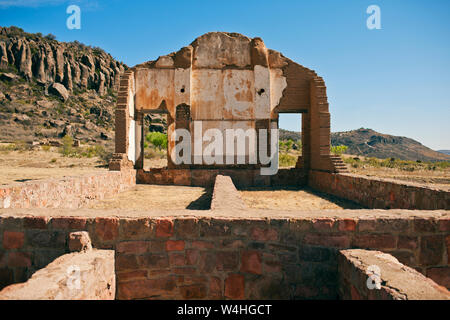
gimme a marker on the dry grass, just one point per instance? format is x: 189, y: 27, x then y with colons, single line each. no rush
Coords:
x: 292, y: 199
x: 28, y: 165
x: 147, y: 197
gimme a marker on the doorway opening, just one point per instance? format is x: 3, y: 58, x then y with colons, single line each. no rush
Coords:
x: 155, y: 142
x: 290, y: 136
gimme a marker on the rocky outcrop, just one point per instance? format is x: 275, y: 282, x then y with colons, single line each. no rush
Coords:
x: 48, y: 61
x: 59, y: 90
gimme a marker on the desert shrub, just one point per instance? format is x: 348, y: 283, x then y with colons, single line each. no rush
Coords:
x: 287, y: 160
x: 338, y: 149
x: 67, y: 148
x: 157, y: 139
x: 46, y: 148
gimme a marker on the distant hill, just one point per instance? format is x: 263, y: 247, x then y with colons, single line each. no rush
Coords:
x: 369, y: 143
x: 444, y: 151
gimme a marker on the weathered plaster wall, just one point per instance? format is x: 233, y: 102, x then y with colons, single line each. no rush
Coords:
x: 69, y: 192
x: 380, y: 193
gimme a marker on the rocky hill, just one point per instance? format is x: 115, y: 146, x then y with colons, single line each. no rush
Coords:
x: 50, y: 88
x: 367, y: 142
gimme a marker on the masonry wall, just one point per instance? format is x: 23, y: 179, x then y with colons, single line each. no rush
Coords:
x: 379, y: 193
x: 374, y: 275
x: 70, y: 192
x: 205, y: 177
x: 236, y: 258
x: 95, y: 271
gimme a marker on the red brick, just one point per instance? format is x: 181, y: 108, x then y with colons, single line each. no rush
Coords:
x: 35, y: 222
x: 191, y: 257
x: 227, y: 261
x: 331, y: 240
x: 235, y: 286
x: 215, y: 287
x: 147, y: 288
x: 126, y: 262
x: 194, y: 291
x: 185, y: 270
x: 444, y: 225
x: 431, y: 250
x: 176, y: 259
x: 19, y: 259
x: 425, y: 225
x: 375, y: 241
x: 323, y: 224
x: 251, y: 262
x: 264, y: 234
x: 164, y: 228
x: 407, y: 242
x: 174, y: 245
x: 354, y: 293
x: 69, y: 223
x: 367, y: 225
x: 13, y: 240
x: 347, y: 225
x: 136, y: 228
x: 107, y: 228
x: 135, y: 247
x: 130, y: 275
x: 440, y: 275
x: 186, y: 228
x: 272, y: 266
x: 447, y: 242
x: 202, y: 245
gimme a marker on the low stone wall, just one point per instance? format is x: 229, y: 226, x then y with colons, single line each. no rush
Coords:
x: 76, y: 276
x: 379, y: 193
x: 247, y: 254
x: 70, y: 192
x: 225, y: 196
x: 376, y: 275
x: 205, y: 177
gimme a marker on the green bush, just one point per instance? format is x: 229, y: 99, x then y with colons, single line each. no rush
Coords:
x: 157, y: 139
x: 67, y: 149
x: 287, y: 160
x: 338, y: 149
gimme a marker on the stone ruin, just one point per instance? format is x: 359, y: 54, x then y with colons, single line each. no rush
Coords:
x: 225, y: 81
x: 400, y: 242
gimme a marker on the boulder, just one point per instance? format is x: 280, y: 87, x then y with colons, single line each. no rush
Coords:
x: 59, y: 90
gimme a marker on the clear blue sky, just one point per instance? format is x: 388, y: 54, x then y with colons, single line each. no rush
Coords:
x: 395, y: 80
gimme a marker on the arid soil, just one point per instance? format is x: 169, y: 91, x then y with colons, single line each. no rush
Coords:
x: 22, y: 166
x: 293, y: 199
x: 148, y: 197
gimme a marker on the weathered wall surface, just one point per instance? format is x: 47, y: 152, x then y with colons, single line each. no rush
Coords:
x: 380, y: 193
x: 70, y: 192
x: 389, y: 279
x: 205, y: 177
x: 94, y: 269
x: 240, y: 256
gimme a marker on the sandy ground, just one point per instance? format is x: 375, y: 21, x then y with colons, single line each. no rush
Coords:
x: 293, y: 199
x: 22, y: 166
x: 147, y: 197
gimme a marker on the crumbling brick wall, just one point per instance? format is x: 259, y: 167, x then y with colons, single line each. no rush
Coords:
x: 207, y: 258
x: 380, y: 193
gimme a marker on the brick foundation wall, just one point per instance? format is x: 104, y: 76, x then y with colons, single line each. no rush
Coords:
x: 379, y: 193
x: 70, y: 192
x: 375, y: 275
x: 205, y: 177
x: 237, y: 258
x: 97, y: 279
